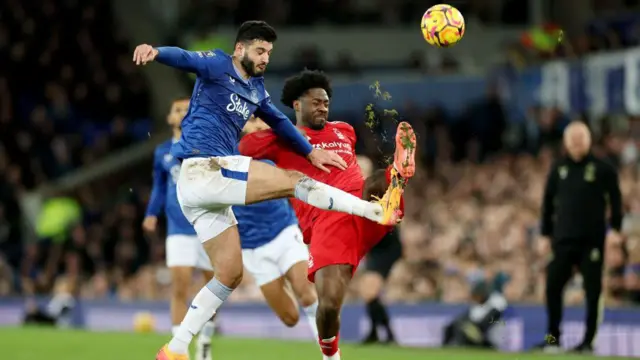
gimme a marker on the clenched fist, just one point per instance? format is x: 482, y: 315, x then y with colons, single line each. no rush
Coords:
x: 144, y: 54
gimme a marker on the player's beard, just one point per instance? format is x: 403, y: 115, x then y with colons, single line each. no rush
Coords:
x: 250, y: 66
x: 315, y: 123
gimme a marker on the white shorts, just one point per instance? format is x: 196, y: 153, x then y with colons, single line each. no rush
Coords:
x: 272, y: 260
x: 208, y: 187
x: 186, y: 250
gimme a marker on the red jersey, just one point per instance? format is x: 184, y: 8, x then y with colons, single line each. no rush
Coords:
x: 336, y: 136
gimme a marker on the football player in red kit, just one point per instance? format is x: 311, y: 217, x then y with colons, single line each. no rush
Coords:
x: 337, y: 242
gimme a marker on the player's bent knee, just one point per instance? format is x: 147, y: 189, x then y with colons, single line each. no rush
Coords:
x: 290, y: 318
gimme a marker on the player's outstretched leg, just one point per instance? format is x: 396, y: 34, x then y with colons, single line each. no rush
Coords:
x: 332, y: 283
x: 266, y: 182
x: 404, y: 167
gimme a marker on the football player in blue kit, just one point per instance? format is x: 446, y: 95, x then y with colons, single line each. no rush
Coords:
x: 274, y: 253
x: 183, y: 250
x: 228, y: 90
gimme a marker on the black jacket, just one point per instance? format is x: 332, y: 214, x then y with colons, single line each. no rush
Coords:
x: 576, y: 198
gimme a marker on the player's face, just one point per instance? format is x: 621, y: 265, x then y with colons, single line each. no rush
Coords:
x: 177, y: 113
x: 256, y: 57
x: 314, y: 108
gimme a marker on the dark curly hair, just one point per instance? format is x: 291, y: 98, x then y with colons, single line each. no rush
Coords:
x: 256, y: 30
x: 296, y: 86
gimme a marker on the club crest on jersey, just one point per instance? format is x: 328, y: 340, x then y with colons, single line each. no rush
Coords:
x: 232, y: 80
x: 236, y: 105
x: 206, y: 54
x: 339, y: 134
x: 254, y: 96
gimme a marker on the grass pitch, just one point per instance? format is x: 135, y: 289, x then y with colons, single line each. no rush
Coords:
x: 52, y: 344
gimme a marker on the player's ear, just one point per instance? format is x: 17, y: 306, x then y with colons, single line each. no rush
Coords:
x: 239, y: 49
x: 296, y: 105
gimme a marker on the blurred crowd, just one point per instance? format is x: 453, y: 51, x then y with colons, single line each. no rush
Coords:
x: 482, y: 191
x: 69, y: 93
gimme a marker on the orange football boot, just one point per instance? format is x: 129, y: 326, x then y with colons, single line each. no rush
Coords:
x: 166, y: 354
x: 404, y: 167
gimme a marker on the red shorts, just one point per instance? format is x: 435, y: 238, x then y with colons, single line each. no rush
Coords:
x: 341, y: 239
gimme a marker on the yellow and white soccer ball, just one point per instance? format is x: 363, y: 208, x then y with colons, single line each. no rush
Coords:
x: 442, y: 25
x: 144, y: 322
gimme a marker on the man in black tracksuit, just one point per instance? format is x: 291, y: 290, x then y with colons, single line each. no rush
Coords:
x: 579, y: 188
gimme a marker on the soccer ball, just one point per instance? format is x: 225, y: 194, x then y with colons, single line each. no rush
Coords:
x: 144, y: 322
x: 442, y: 25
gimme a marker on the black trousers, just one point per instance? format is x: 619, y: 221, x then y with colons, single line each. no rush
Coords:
x: 588, y: 260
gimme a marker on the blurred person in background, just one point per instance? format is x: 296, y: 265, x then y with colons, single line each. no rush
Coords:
x: 59, y: 310
x: 579, y: 189
x: 184, y: 252
x: 378, y: 264
x: 482, y: 324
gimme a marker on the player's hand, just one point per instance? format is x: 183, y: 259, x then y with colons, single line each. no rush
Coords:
x: 319, y: 158
x: 144, y: 54
x: 150, y: 223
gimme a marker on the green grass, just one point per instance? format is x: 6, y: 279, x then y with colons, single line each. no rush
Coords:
x: 49, y: 344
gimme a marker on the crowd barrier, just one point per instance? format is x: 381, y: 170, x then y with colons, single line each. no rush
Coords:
x: 419, y: 325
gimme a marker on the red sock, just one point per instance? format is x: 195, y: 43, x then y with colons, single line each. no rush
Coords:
x: 329, y: 346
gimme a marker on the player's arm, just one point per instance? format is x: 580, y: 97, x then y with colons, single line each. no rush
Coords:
x: 548, y: 206
x: 284, y: 128
x: 259, y: 145
x: 198, y: 62
x: 158, y: 194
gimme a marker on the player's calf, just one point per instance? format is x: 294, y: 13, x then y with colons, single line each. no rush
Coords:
x: 266, y: 182
x: 281, y: 301
x: 226, y: 257
x: 180, y: 281
x: 331, y: 283
x: 305, y: 292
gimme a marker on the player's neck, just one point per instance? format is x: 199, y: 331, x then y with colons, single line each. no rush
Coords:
x: 239, y: 69
x: 176, y: 134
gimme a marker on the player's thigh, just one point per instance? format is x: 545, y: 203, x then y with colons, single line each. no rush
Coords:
x: 291, y: 256
x: 281, y: 301
x: 261, y: 265
x: 267, y: 182
x: 212, y: 183
x: 332, y: 283
x: 183, y: 251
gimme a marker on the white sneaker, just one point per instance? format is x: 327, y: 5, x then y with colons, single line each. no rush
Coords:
x: 203, y: 351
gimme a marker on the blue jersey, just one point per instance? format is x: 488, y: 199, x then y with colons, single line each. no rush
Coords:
x: 221, y: 103
x: 260, y: 223
x: 166, y: 169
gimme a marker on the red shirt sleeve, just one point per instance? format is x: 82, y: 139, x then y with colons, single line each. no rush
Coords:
x: 259, y: 145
